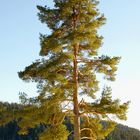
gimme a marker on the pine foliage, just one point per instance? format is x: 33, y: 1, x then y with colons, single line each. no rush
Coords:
x: 70, y: 64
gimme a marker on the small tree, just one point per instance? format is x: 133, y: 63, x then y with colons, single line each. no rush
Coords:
x: 66, y: 75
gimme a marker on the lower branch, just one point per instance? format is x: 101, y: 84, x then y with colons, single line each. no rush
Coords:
x: 89, y: 138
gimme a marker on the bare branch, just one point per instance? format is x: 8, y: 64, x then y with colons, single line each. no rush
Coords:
x: 89, y: 138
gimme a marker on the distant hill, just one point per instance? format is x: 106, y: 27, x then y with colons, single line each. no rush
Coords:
x: 121, y: 132
x: 10, y: 131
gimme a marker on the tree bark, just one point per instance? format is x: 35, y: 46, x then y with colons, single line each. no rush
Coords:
x: 75, y: 97
x: 75, y: 74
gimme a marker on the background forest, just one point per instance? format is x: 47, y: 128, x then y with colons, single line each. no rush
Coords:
x: 10, y: 130
x: 121, y: 132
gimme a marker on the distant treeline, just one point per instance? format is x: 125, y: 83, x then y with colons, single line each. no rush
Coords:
x: 121, y: 132
x: 10, y: 130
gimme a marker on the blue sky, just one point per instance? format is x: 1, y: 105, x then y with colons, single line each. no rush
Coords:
x: 19, y: 46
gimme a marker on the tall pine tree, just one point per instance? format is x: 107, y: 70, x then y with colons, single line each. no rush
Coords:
x: 66, y: 75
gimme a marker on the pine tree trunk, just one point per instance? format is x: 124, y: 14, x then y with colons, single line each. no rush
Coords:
x: 75, y: 97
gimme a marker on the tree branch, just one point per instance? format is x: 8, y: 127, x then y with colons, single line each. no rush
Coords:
x: 89, y: 138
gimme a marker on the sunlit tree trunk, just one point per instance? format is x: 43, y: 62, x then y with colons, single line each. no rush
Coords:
x: 75, y: 97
